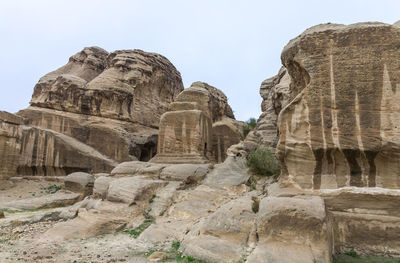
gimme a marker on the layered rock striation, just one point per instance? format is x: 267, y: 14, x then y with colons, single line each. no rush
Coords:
x: 96, y: 111
x: 342, y: 128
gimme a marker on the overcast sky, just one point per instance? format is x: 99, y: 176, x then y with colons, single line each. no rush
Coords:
x: 232, y: 45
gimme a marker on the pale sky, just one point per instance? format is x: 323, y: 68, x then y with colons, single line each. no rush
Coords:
x: 232, y: 45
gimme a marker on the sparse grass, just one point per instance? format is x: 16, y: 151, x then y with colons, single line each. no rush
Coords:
x: 152, y: 198
x: 262, y: 162
x: 52, y: 189
x: 352, y: 254
x: 9, y: 211
x: 142, y: 227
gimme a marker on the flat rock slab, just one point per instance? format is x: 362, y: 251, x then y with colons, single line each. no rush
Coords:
x: 61, y: 198
x: 186, y: 173
x: 131, y: 189
x: 232, y: 172
x: 132, y: 168
x: 79, y: 182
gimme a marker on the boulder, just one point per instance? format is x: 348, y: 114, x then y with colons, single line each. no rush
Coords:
x: 342, y: 128
x: 292, y: 229
x: 79, y: 182
x: 222, y: 238
x: 132, y: 168
x: 163, y: 199
x: 129, y: 190
x: 185, y: 173
x: 232, y: 172
x: 101, y: 185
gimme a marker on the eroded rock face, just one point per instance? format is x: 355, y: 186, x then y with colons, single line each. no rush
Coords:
x: 186, y: 130
x: 276, y: 95
x: 342, y: 128
x: 10, y: 145
x: 127, y: 85
x: 96, y: 111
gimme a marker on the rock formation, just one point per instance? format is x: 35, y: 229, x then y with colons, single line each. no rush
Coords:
x: 186, y: 131
x: 97, y: 110
x: 342, y: 127
x: 10, y: 145
x: 276, y: 95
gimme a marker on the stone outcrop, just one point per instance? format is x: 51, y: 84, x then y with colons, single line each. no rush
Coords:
x: 96, y: 111
x: 10, y: 145
x: 128, y: 85
x: 397, y: 23
x: 342, y: 128
x: 186, y: 130
x: 276, y: 94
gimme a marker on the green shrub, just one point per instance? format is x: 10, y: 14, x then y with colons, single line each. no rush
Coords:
x: 263, y: 162
x: 249, y: 126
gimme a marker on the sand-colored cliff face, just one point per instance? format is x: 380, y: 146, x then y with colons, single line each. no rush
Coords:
x: 97, y: 110
x: 342, y: 129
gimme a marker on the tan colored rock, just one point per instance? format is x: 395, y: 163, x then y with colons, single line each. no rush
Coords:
x: 192, y: 144
x: 342, y: 127
x: 276, y: 95
x: 224, y: 135
x: 163, y: 199
x: 232, y: 172
x: 223, y: 236
x: 397, y: 23
x: 126, y: 169
x: 61, y: 198
x: 101, y: 185
x: 185, y: 134
x: 132, y: 189
x: 294, y: 229
x: 79, y: 182
x: 49, y: 153
x: 126, y: 84
x: 10, y: 146
x: 185, y: 173
x: 157, y: 256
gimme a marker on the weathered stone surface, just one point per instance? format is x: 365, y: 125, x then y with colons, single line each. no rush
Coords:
x: 132, y: 168
x: 342, y: 128
x: 224, y: 235
x: 101, y: 185
x: 294, y: 229
x: 117, y: 139
x: 232, y: 172
x: 10, y: 145
x: 224, y: 135
x: 208, y: 99
x: 46, y: 152
x: 366, y: 220
x: 126, y: 84
x: 79, y: 182
x: 192, y: 142
x: 276, y: 95
x: 397, y: 23
x: 186, y: 173
x: 85, y: 225
x: 163, y: 199
x: 61, y: 198
x: 157, y: 256
x: 185, y: 134
x: 131, y: 189
x: 104, y: 106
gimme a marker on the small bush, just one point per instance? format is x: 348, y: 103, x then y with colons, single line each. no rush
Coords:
x: 249, y: 126
x: 263, y: 162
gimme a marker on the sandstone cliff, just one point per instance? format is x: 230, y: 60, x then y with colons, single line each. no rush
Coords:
x: 104, y: 106
x: 341, y: 129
